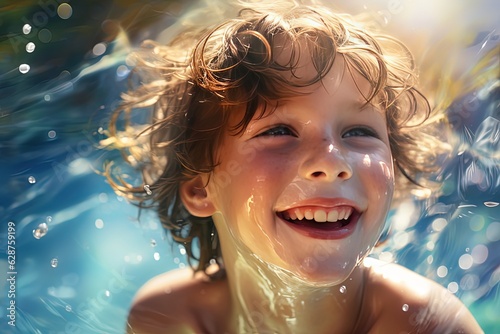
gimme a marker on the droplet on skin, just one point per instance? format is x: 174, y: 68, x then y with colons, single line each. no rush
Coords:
x: 54, y: 263
x: 147, y: 190
x: 343, y: 289
x: 405, y: 308
x: 24, y: 68
x: 40, y: 231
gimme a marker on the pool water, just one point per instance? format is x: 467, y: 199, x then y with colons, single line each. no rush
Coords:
x: 75, y: 253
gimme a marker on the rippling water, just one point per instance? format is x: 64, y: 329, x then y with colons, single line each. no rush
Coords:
x: 80, y: 251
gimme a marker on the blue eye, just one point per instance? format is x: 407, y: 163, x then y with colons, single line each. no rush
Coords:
x: 360, y: 132
x: 280, y: 130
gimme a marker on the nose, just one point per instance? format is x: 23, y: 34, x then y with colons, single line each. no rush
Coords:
x: 325, y: 162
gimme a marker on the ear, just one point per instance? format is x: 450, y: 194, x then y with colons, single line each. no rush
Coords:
x: 195, y: 198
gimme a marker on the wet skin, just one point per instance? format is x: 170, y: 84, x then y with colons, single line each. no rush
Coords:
x: 323, y: 156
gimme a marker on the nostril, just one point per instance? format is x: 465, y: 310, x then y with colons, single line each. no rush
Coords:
x: 318, y: 174
x: 344, y: 175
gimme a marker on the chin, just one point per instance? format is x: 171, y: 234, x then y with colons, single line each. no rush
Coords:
x: 321, y: 275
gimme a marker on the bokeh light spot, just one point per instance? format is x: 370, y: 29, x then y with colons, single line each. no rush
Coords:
x: 64, y: 11
x: 45, y: 36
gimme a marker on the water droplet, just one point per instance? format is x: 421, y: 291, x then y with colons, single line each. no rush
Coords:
x: 153, y: 243
x: 107, y: 293
x: 24, y: 68
x: 54, y: 262
x: 48, y: 219
x: 491, y: 204
x: 156, y: 256
x: 51, y: 134
x: 147, y: 190
x: 342, y: 289
x: 68, y: 308
x: 30, y: 47
x: 26, y: 29
x: 405, y: 308
x: 31, y: 179
x: 40, y: 231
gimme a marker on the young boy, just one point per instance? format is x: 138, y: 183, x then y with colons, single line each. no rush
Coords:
x: 276, y: 143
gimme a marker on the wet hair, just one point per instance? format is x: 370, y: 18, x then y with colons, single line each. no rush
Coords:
x: 192, y: 85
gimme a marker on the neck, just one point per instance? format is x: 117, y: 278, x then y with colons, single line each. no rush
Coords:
x: 266, y: 298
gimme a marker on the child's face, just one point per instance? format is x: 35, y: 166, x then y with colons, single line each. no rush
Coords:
x: 321, y: 154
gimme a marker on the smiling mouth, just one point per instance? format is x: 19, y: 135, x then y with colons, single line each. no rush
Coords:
x: 325, y: 223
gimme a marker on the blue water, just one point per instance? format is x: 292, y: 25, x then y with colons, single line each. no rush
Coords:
x: 81, y: 252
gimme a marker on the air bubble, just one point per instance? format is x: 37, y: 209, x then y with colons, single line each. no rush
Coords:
x: 68, y: 308
x: 156, y: 256
x: 147, y: 190
x: 30, y: 47
x: 153, y: 243
x: 40, y: 231
x: 31, y: 179
x: 405, y: 308
x: 26, y: 29
x: 343, y: 289
x: 491, y: 204
x: 54, y: 262
x: 51, y: 134
x: 24, y: 68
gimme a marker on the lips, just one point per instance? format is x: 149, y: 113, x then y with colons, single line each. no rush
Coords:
x: 322, y: 222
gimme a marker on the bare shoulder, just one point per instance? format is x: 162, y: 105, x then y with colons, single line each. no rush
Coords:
x: 180, y: 302
x: 405, y: 301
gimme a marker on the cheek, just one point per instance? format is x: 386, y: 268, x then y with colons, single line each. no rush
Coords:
x: 378, y: 172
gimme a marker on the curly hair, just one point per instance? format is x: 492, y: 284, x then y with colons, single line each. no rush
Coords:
x: 192, y: 85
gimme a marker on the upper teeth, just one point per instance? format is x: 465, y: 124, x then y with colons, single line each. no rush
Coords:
x: 320, y: 215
